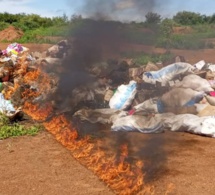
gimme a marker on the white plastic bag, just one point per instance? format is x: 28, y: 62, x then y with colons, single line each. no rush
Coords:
x: 149, y: 106
x: 123, y: 96
x: 168, y: 73
x: 199, y: 65
x: 5, y: 105
x: 139, y: 123
x: 191, y: 123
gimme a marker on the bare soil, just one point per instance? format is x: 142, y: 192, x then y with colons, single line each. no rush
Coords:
x: 175, y: 163
x: 40, y: 165
x: 191, y: 56
x: 10, y: 34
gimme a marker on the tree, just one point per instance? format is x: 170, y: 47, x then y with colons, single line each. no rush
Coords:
x: 166, y: 31
x: 75, y: 18
x: 166, y: 27
x: 211, y: 19
x: 188, y: 18
x: 8, y: 18
x: 152, y: 18
x: 60, y: 20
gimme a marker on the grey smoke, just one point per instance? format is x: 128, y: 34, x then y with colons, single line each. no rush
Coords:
x: 121, y: 9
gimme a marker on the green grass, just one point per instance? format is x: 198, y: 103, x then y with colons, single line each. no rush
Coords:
x: 197, y: 39
x: 189, y: 41
x: 141, y: 58
x: 133, y: 33
x: 8, y: 129
x: 138, y: 37
x: 36, y: 36
x: 53, y: 31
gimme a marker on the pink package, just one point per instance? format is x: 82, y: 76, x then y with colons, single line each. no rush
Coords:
x: 212, y: 93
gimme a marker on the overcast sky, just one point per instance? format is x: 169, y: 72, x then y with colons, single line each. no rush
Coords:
x: 50, y: 8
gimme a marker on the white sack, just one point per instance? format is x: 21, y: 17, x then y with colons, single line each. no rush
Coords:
x: 191, y: 123
x: 123, y: 96
x: 178, y: 97
x: 168, y: 73
x: 195, y: 82
x: 103, y: 116
x: 143, y: 124
x: 5, y: 105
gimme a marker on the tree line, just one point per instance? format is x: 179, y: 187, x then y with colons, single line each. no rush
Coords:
x: 33, y: 21
x: 30, y: 21
x: 182, y: 18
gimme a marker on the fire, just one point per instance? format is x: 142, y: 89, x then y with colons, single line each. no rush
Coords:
x: 32, y: 76
x: 36, y: 111
x: 9, y: 92
x: 30, y: 93
x: 121, y: 177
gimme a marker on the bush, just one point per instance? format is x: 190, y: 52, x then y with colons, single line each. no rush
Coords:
x: 3, y: 25
x: 189, y: 18
x: 152, y: 18
x: 40, y: 35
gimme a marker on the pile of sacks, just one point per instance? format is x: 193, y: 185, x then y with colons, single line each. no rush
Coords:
x: 174, y: 97
x: 149, y: 98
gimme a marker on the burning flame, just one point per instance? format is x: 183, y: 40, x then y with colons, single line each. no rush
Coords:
x: 121, y: 177
x: 36, y: 111
x: 32, y: 76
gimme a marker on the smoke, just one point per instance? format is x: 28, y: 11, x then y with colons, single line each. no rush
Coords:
x: 93, y: 42
x: 122, y: 9
x: 154, y: 157
x: 99, y: 38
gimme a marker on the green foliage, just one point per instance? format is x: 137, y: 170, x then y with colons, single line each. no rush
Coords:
x: 189, y: 18
x: 166, y: 27
x: 152, y: 18
x: 76, y: 18
x: 166, y: 31
x: 32, y: 21
x: 8, y: 129
x: 10, y: 18
x: 141, y: 58
x: 183, y: 42
x: 3, y: 25
x: 139, y: 37
x: 154, y: 31
x: 211, y: 19
x: 204, y: 30
x: 41, y: 35
x: 60, y: 20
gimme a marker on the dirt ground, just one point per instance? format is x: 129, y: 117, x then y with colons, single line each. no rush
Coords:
x: 175, y: 163
x: 40, y: 165
x: 191, y: 56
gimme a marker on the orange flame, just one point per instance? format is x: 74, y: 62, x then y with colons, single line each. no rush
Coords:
x: 37, y: 112
x: 122, y: 178
x: 32, y: 76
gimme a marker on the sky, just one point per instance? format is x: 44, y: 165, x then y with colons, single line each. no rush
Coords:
x: 52, y: 8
